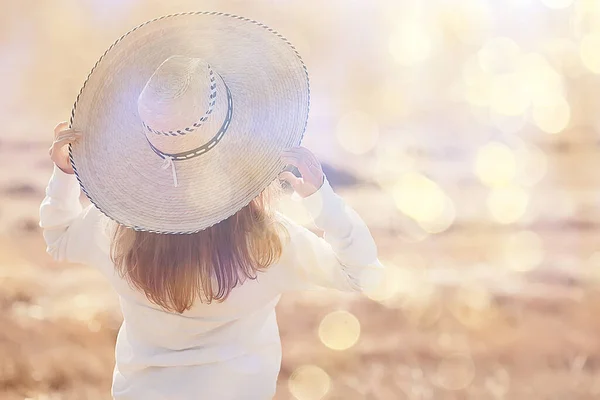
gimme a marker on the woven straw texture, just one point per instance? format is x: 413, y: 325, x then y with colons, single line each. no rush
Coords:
x: 122, y: 175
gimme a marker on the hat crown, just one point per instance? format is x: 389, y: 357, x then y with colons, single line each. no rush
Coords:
x: 178, y: 94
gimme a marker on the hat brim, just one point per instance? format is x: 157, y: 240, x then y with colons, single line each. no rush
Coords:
x: 122, y: 175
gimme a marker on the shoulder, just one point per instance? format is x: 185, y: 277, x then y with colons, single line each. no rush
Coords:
x: 97, y: 227
x: 292, y: 228
x: 298, y: 240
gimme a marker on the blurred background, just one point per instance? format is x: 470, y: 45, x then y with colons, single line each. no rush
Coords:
x: 465, y: 132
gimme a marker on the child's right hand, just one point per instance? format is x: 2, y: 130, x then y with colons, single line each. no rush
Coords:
x: 59, y: 151
x: 310, y: 168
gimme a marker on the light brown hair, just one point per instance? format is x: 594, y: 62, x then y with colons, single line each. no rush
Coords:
x: 175, y: 270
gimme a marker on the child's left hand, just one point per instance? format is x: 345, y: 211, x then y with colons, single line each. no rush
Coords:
x: 309, y: 167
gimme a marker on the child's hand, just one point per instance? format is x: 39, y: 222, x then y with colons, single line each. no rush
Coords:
x: 309, y: 167
x: 59, y: 151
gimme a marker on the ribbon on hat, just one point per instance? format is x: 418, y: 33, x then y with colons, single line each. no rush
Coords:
x: 170, y: 159
x: 169, y: 163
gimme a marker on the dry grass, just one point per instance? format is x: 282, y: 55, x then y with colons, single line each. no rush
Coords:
x: 57, y: 342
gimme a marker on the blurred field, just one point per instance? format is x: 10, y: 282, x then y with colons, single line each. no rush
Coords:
x: 464, y: 132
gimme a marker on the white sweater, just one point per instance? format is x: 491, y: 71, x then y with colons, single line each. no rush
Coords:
x: 221, y: 351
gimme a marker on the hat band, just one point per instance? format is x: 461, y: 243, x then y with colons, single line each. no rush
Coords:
x: 186, y: 155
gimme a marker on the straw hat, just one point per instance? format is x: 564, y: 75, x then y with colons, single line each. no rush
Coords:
x: 184, y: 119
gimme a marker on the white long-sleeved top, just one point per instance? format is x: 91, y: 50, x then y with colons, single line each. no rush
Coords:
x: 219, y: 351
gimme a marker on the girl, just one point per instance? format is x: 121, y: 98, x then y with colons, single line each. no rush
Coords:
x: 178, y: 138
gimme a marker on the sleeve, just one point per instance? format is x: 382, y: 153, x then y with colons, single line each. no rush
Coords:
x: 345, y: 258
x: 71, y: 232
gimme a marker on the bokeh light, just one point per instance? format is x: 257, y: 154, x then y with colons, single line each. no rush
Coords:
x: 499, y: 55
x: 410, y: 43
x: 419, y: 197
x: 532, y: 164
x: 455, y: 372
x: 357, y: 132
x: 508, y: 124
x: 423, y: 314
x: 557, y: 4
x: 391, y: 160
x: 498, y: 382
x: 544, y: 84
x: 391, y: 101
x: 339, y: 330
x: 523, y: 251
x: 405, y: 280
x: 477, y: 82
x: 591, y: 10
x: 508, y: 95
x: 422, y: 303
x: 521, y: 3
x: 412, y: 291
x: 592, y: 267
x: 394, y: 278
x: 509, y: 82
x: 443, y: 221
x: 94, y: 325
x: 472, y: 71
x: 470, y: 21
x: 565, y: 55
x: 423, y: 200
x: 450, y: 343
x: 309, y: 382
x: 406, y: 229
x: 508, y: 204
x: 590, y: 56
x: 554, y: 118
x: 495, y: 164
x: 472, y: 305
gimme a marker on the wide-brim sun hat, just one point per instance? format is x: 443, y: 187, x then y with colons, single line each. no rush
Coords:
x: 184, y: 119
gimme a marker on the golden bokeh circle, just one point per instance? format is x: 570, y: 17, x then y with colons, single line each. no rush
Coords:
x: 532, y: 164
x: 495, y: 164
x: 590, y: 56
x: 443, y: 220
x: 309, y: 382
x: 508, y: 204
x: 339, y: 330
x: 499, y: 55
x: 419, y: 197
x: 541, y: 80
x: 552, y: 118
x: 508, y: 95
x: 410, y: 43
x: 394, y: 278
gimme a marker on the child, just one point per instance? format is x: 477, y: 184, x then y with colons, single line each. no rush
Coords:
x: 177, y: 138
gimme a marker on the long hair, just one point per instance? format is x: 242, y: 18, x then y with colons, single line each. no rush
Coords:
x: 175, y: 270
